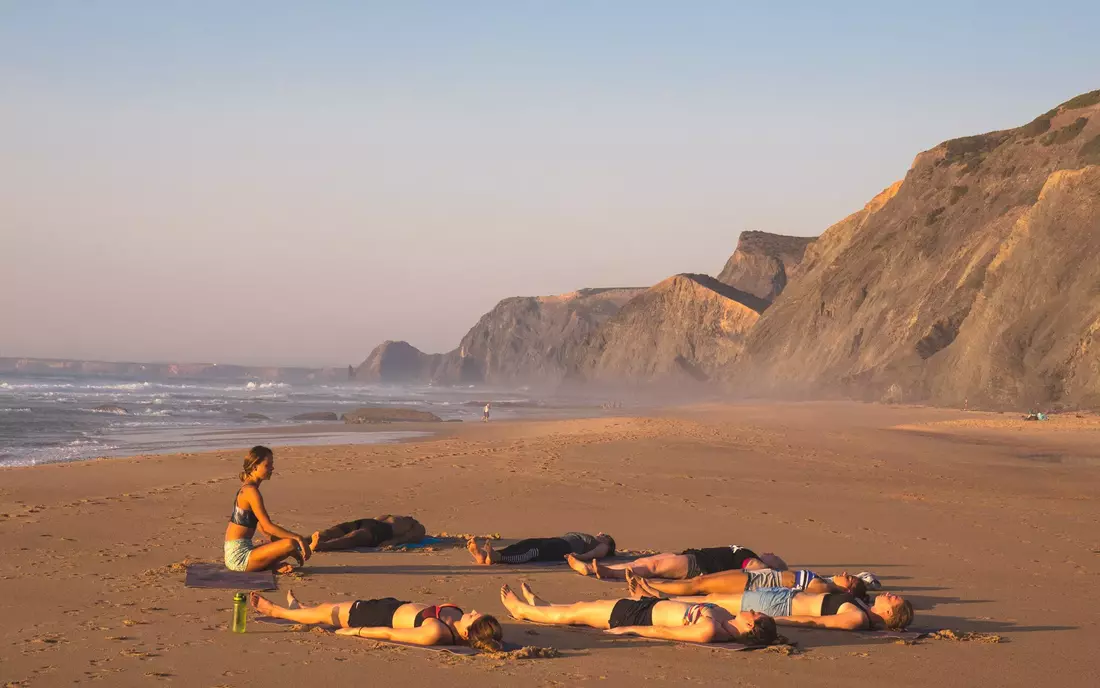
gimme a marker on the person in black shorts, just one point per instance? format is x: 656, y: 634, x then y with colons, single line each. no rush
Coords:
x: 687, y: 564
x: 369, y: 532
x: 583, y: 546
x: 389, y: 618
x: 651, y: 618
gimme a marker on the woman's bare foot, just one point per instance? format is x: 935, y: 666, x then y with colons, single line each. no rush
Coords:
x: 491, y: 557
x: 585, y: 568
x: 532, y: 599
x: 475, y: 552
x: 260, y: 603
x: 291, y: 600
x: 286, y: 568
x: 640, y: 587
x: 314, y: 541
x: 513, y: 604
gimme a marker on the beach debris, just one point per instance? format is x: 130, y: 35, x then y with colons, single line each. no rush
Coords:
x: 965, y: 636
x: 525, y: 652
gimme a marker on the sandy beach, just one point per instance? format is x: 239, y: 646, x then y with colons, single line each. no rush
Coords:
x: 987, y: 523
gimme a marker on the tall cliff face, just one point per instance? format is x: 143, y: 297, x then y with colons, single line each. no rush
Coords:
x: 687, y: 326
x: 970, y: 279
x: 532, y: 339
x: 763, y: 263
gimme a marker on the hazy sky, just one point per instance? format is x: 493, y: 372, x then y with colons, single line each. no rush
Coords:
x: 277, y: 182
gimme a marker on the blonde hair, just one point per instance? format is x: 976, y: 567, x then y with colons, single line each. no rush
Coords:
x: 901, y: 616
x: 485, y: 634
x: 256, y: 456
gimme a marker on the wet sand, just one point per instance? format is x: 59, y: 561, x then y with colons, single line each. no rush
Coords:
x: 986, y: 523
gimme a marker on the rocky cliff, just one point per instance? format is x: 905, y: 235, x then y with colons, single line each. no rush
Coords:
x: 687, y: 326
x: 974, y: 278
x: 763, y: 263
x: 533, y: 339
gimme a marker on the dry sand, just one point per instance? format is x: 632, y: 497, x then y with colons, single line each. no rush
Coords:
x: 986, y: 525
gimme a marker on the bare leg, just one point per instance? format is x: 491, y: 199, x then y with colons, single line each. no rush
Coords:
x: 356, y: 538
x: 666, y: 565
x: 592, y: 614
x: 725, y: 582
x: 335, y: 613
x: 271, y: 555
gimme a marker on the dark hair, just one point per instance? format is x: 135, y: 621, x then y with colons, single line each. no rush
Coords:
x: 256, y: 456
x: 485, y: 634
x: 902, y: 616
x: 763, y: 632
x: 859, y: 589
x: 611, y: 544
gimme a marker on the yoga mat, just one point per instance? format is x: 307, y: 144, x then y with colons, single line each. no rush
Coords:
x: 451, y: 649
x: 426, y: 542
x: 732, y: 647
x: 217, y: 576
x: 894, y: 635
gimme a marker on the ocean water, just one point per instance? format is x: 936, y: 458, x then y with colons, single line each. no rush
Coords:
x: 51, y: 419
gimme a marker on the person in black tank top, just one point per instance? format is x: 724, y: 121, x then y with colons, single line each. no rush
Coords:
x: 370, y: 532
x: 582, y: 546
x: 389, y: 618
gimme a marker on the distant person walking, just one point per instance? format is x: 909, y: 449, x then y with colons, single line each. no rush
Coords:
x: 485, y: 415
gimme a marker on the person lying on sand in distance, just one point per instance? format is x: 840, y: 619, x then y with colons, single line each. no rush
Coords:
x: 249, y: 513
x: 582, y: 546
x: 836, y: 610
x: 687, y: 564
x: 369, y: 532
x: 651, y: 618
x: 392, y: 619
x: 742, y: 581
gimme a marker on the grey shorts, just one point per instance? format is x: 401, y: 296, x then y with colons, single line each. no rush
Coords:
x: 236, y: 554
x: 763, y: 578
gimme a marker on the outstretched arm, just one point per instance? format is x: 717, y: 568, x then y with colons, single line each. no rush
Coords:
x: 598, y: 552
x: 695, y: 633
x: 427, y: 634
x: 256, y: 501
x: 847, y: 621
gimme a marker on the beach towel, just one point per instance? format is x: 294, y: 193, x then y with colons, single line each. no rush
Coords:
x: 211, y: 575
x: 426, y: 542
x: 732, y: 647
x: 893, y: 635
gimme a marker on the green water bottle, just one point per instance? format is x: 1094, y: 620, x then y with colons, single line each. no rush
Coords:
x: 240, y: 612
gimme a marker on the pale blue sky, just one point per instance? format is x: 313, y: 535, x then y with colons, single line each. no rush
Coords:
x: 294, y: 182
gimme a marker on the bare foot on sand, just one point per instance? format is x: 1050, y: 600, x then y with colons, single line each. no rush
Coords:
x: 640, y: 587
x: 475, y: 552
x: 513, y: 604
x: 260, y: 603
x: 532, y: 599
x: 286, y: 568
x: 314, y: 541
x: 585, y: 568
x: 291, y: 600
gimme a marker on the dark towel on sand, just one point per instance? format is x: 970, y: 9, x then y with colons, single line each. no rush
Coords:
x: 219, y: 577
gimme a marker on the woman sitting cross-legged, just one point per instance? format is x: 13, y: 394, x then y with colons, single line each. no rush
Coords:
x: 392, y: 619
x: 651, y: 618
x: 581, y: 546
x: 743, y: 581
x: 789, y: 607
x: 250, y: 514
x: 690, y: 563
x: 369, y: 532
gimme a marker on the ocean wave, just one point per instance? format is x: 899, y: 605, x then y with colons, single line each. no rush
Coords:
x: 15, y: 410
